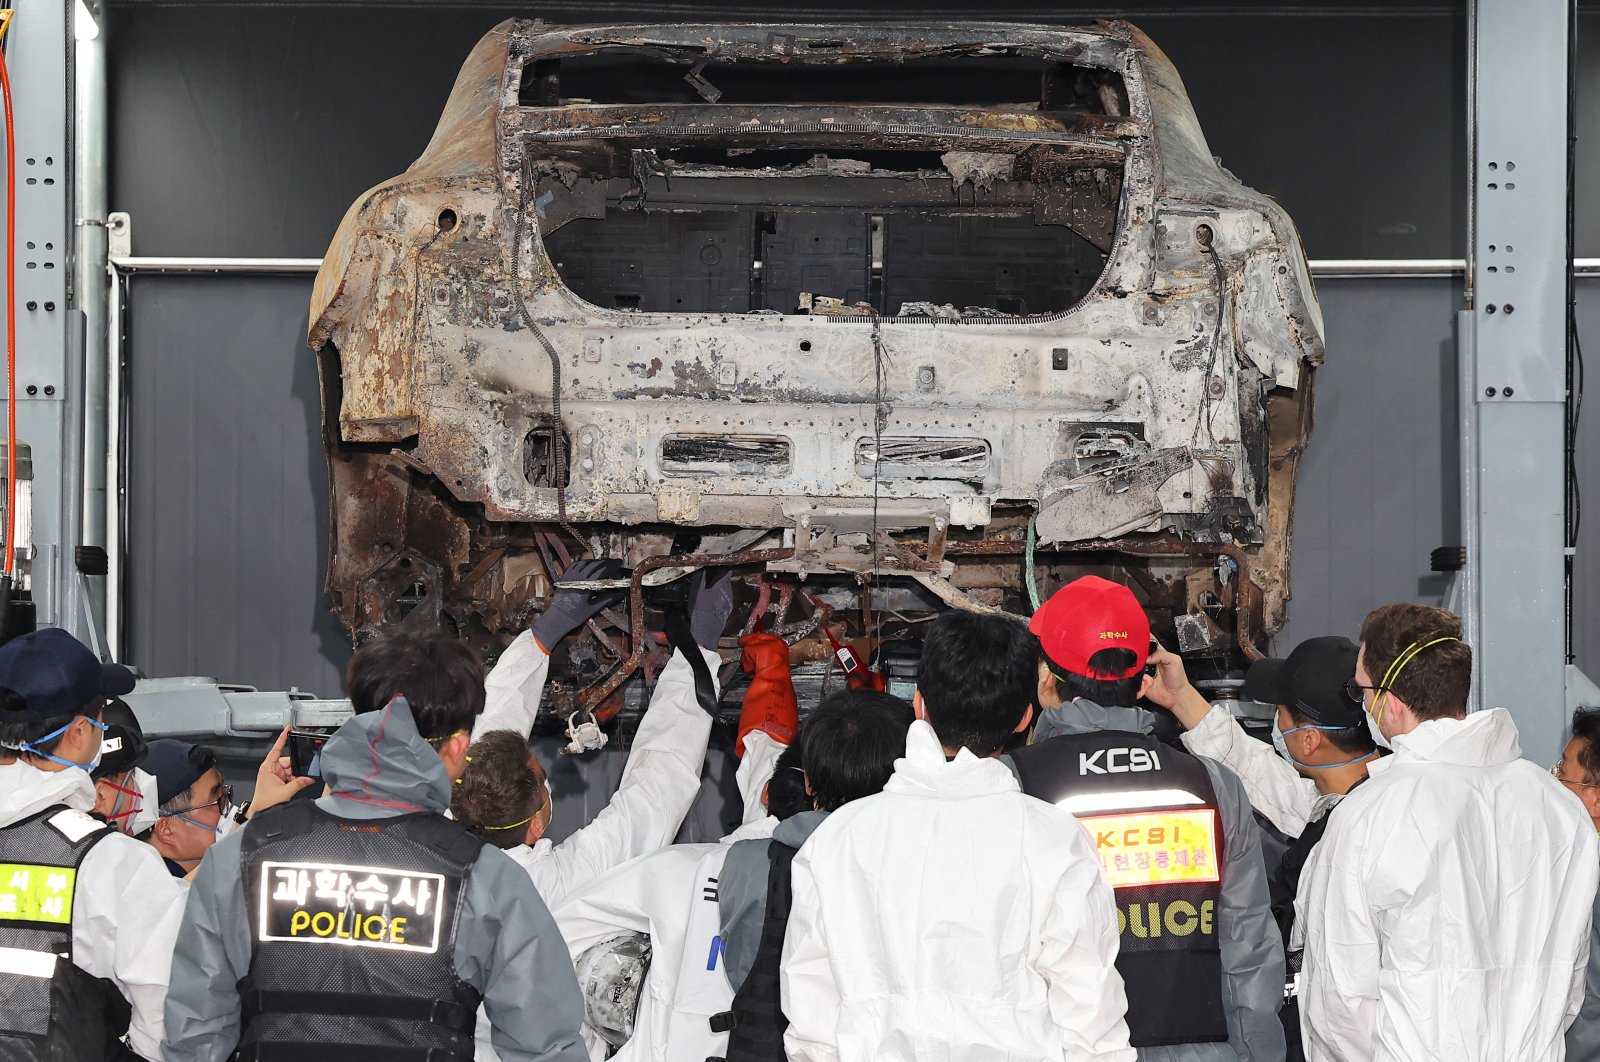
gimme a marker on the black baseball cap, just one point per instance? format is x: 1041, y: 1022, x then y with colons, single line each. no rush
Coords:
x: 177, y: 766
x: 57, y: 675
x: 123, y: 747
x: 1311, y: 681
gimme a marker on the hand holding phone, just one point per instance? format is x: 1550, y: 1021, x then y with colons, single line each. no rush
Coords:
x: 280, y: 777
x: 305, y: 753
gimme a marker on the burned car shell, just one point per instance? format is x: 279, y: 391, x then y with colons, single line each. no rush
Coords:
x: 1167, y: 406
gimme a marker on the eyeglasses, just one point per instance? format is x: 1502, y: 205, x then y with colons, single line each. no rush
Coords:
x: 1555, y: 772
x: 223, y: 803
x: 1354, y: 689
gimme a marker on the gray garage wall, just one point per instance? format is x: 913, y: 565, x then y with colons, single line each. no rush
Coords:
x: 246, y: 127
x: 228, y: 520
x: 227, y: 487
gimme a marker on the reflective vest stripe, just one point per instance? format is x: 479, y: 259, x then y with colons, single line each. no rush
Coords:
x: 24, y: 963
x: 1085, y: 803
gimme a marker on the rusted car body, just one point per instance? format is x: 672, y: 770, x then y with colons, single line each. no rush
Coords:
x: 886, y: 293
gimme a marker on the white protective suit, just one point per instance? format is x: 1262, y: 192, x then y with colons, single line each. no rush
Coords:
x: 949, y: 918
x: 671, y: 895
x: 127, y: 907
x: 658, y: 784
x: 1446, y: 909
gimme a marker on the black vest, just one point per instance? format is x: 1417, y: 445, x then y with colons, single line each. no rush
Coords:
x: 1153, y: 815
x: 353, y: 925
x: 757, y: 1022
x: 50, y: 1010
x: 1285, y: 884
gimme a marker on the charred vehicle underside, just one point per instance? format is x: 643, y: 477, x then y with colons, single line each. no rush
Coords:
x: 892, y: 319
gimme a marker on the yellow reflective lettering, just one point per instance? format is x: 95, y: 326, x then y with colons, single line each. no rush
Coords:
x: 1181, y: 918
x: 298, y: 921
x: 1136, y: 920
x: 322, y: 924
x: 397, y: 930
x: 1208, y: 910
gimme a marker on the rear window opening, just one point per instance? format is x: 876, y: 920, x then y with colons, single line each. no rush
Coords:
x: 622, y: 75
x: 828, y: 239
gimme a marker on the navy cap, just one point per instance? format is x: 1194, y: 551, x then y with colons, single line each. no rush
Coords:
x: 123, y: 747
x: 57, y: 675
x: 1311, y: 681
x: 175, y: 768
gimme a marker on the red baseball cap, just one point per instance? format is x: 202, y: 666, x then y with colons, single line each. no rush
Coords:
x: 1086, y: 616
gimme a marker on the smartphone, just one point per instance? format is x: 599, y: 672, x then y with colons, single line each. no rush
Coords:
x: 305, y: 752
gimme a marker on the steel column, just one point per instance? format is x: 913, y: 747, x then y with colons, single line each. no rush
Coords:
x: 50, y: 328
x: 91, y: 279
x: 1514, y: 366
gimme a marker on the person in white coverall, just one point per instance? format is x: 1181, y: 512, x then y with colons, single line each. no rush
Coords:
x: 120, y: 911
x: 1320, y: 751
x: 1446, y: 909
x: 654, y: 894
x: 502, y: 793
x: 678, y: 896
x: 662, y: 776
x: 950, y: 916
x: 669, y: 896
x: 1579, y: 771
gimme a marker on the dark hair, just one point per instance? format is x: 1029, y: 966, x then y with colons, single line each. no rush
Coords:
x: 1436, y: 681
x: 440, y: 677
x: 1586, y: 727
x: 1108, y: 693
x: 20, y: 725
x: 977, y: 678
x: 497, y: 790
x: 1355, y: 740
x: 786, y: 792
x: 202, y: 759
x: 850, y: 745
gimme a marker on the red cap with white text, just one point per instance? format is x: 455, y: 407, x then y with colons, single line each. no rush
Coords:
x: 1086, y: 616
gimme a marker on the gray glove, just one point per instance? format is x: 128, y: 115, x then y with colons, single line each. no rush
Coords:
x: 710, y: 605
x: 570, y: 609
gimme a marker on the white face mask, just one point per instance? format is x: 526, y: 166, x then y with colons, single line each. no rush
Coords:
x: 1377, y: 734
x: 149, y: 802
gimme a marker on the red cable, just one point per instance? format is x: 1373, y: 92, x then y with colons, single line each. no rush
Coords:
x: 11, y: 323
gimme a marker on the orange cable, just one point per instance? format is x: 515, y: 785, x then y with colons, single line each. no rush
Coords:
x: 11, y: 322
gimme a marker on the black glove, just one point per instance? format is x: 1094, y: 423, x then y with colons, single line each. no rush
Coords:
x: 710, y: 605
x: 570, y: 609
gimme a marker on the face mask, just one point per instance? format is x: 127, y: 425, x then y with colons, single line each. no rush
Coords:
x: 149, y: 802
x: 1372, y: 724
x: 126, y: 807
x: 32, y: 749
x: 1282, y: 746
x: 1407, y: 655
